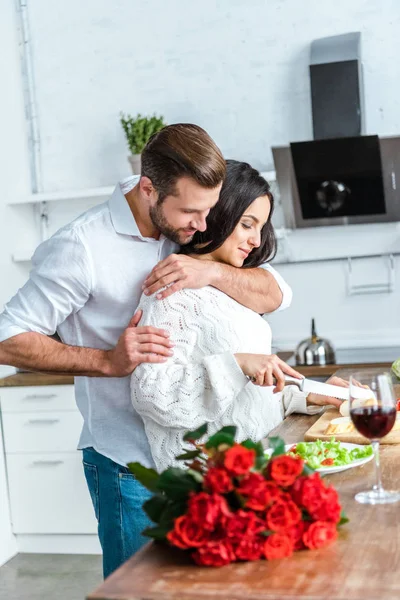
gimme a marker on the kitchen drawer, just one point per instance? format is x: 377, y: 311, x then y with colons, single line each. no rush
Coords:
x: 42, y: 431
x: 37, y: 398
x: 48, y: 494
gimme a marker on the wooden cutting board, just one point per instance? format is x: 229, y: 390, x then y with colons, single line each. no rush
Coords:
x: 316, y: 432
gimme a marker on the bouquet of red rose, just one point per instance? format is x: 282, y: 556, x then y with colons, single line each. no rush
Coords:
x: 233, y: 502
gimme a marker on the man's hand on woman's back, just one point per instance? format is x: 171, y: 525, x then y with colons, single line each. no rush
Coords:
x: 137, y: 345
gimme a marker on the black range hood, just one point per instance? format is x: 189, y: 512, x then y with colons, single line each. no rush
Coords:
x: 342, y: 176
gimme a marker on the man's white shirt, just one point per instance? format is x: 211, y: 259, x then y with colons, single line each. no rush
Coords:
x: 86, y: 283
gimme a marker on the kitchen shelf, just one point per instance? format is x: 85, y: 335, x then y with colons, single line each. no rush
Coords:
x: 102, y: 193
x: 22, y: 257
x: 289, y: 261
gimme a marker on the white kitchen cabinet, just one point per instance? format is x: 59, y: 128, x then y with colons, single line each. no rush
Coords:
x: 53, y: 431
x: 48, y: 494
x: 37, y: 398
x: 47, y: 487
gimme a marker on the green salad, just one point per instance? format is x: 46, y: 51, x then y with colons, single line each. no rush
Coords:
x: 328, y: 454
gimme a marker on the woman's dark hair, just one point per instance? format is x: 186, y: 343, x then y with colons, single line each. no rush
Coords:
x: 242, y: 185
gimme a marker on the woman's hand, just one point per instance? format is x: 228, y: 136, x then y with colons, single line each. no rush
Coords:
x: 264, y: 369
x: 319, y: 400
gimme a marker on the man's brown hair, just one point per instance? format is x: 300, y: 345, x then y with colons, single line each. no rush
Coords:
x: 182, y: 150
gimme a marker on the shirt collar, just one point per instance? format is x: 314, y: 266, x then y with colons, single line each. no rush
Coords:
x: 121, y: 214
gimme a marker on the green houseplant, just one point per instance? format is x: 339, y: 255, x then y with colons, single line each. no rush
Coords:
x: 138, y: 130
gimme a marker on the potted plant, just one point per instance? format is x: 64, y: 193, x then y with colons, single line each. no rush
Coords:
x: 138, y: 131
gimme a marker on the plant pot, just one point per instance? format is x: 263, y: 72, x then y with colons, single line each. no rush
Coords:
x: 136, y: 163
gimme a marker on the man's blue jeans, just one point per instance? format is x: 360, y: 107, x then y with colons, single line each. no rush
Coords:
x: 117, y: 499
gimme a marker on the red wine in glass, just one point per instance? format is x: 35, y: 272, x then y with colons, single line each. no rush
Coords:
x: 373, y: 422
x: 374, y: 418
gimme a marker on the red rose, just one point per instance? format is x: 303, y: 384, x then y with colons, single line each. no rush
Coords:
x: 249, y: 483
x: 296, y: 534
x: 263, y: 497
x: 282, y: 515
x: 187, y: 534
x: 307, y: 490
x: 217, y: 480
x: 320, y: 534
x: 284, y: 470
x: 243, y: 524
x: 206, y: 510
x: 214, y: 554
x: 239, y: 460
x: 278, y: 546
x: 328, y: 509
x: 321, y: 502
x: 250, y: 548
x: 260, y: 493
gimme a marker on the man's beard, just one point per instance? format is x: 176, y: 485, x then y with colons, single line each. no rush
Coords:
x: 175, y: 235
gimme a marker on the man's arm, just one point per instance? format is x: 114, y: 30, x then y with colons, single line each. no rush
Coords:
x: 257, y: 289
x: 59, y: 285
x: 37, y: 352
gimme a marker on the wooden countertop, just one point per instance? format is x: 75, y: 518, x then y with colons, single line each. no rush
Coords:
x: 363, y: 564
x: 32, y: 379
x: 24, y: 379
x: 328, y: 370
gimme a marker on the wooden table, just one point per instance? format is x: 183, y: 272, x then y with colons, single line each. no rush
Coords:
x: 325, y: 371
x: 364, y: 563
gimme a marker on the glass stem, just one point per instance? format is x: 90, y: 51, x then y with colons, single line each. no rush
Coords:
x: 378, y: 479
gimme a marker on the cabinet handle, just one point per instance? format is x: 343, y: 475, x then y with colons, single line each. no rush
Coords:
x: 47, y: 463
x: 42, y: 421
x: 40, y: 397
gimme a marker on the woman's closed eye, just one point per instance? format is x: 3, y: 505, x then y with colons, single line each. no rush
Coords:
x: 246, y: 226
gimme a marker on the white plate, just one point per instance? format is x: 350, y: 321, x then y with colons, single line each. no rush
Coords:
x: 327, y: 470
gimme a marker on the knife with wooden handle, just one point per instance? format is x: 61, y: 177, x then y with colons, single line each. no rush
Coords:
x: 309, y: 386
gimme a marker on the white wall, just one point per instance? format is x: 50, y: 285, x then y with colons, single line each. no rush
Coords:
x: 237, y: 67
x: 240, y: 69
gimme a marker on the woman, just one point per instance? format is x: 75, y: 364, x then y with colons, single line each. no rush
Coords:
x: 221, y: 370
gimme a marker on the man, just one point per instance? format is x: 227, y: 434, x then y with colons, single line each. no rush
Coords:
x: 86, y: 283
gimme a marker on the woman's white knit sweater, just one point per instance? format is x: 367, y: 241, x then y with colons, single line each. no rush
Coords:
x: 202, y: 382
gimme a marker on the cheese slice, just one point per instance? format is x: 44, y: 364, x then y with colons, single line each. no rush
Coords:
x: 339, y: 426
x: 344, y: 425
x: 345, y: 410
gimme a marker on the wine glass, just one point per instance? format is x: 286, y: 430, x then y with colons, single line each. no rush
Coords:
x: 374, y: 418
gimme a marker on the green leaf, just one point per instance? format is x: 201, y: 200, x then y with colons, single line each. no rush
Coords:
x: 267, y: 532
x: 306, y: 516
x: 307, y: 470
x: 157, y: 533
x: 278, y: 446
x: 155, y: 506
x: 138, y: 130
x: 229, y: 429
x: 196, y: 475
x: 189, y: 455
x: 260, y: 463
x: 196, y: 434
x: 147, y: 477
x: 172, y: 511
x: 220, y: 438
x: 343, y: 519
x: 177, y: 483
x: 258, y: 447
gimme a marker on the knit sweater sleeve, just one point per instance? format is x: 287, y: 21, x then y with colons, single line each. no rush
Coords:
x: 202, y: 378
x: 295, y: 401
